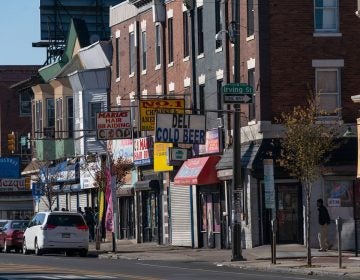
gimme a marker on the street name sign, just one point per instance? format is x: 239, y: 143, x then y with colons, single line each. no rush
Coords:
x: 238, y: 93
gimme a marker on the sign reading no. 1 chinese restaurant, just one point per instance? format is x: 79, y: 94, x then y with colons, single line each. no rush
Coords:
x: 149, y: 108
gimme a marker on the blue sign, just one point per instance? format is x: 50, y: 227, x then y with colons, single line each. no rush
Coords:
x: 38, y: 189
x: 10, y: 167
x: 61, y: 173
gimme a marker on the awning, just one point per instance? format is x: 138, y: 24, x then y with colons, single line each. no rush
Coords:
x: 32, y: 168
x: 146, y: 185
x: 198, y: 171
x: 125, y: 190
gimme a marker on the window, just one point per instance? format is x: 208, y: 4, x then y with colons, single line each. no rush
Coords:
x: 326, y: 15
x: 59, y: 118
x: 218, y: 22
x: 39, y: 118
x: 328, y: 90
x: 186, y: 34
x: 93, y: 109
x: 202, y: 99
x: 117, y: 57
x: 171, y: 40
x: 200, y: 30
x: 250, y: 18
x: 25, y: 103
x: 157, y: 45
x: 143, y: 49
x: 219, y: 96
x: 50, y: 112
x: 70, y: 117
x: 131, y: 53
x: 251, y: 82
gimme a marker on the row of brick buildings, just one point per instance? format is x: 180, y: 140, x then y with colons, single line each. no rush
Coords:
x: 162, y: 50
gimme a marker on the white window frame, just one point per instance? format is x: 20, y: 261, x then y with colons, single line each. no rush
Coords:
x: 324, y: 30
x: 338, y: 93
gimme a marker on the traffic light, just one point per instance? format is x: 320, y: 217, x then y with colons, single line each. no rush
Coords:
x: 11, y: 142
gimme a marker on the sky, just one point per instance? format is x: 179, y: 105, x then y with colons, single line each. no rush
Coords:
x: 19, y: 28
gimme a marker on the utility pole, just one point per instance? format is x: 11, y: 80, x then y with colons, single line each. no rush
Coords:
x: 236, y: 183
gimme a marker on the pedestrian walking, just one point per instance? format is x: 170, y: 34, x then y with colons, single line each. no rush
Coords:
x: 80, y: 211
x: 324, y: 221
x: 90, y: 221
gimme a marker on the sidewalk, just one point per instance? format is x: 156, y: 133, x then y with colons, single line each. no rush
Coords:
x: 291, y: 258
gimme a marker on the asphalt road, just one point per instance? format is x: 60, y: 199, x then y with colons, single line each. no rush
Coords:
x: 17, y: 266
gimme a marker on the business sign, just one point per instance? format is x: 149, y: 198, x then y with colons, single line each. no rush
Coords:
x: 113, y: 125
x: 180, y: 128
x: 12, y: 185
x: 211, y: 146
x: 60, y: 173
x: 87, y: 175
x: 143, y: 151
x: 160, y: 157
x: 150, y: 107
x: 10, y: 167
x: 269, y: 184
x: 38, y: 189
x: 123, y: 148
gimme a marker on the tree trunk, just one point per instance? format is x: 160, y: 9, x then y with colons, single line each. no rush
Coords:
x: 308, y: 220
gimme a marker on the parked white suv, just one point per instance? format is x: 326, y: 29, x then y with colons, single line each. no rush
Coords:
x: 57, y: 231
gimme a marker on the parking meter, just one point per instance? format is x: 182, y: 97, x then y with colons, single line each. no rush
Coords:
x: 273, y: 244
x: 338, y: 222
x: 273, y: 225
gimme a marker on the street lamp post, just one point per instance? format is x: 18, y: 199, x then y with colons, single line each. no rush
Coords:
x: 236, y: 184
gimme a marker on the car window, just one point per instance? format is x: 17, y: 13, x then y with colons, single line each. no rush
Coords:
x: 65, y: 220
x: 19, y: 224
x: 2, y: 224
x: 40, y: 217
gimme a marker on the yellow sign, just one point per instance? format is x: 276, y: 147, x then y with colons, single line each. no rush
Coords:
x: 149, y: 108
x: 160, y: 158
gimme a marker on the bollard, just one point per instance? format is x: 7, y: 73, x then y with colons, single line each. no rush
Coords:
x: 339, y: 223
x: 273, y: 245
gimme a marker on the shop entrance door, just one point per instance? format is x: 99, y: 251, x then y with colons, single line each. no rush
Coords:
x: 289, y: 214
x: 150, y: 204
x: 127, y: 218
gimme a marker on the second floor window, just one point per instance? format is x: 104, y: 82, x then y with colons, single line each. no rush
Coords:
x: 328, y: 90
x: 25, y: 103
x: 202, y: 99
x: 50, y: 112
x: 157, y: 45
x: 218, y: 22
x: 186, y: 34
x: 70, y: 117
x: 143, y: 49
x: 131, y: 53
x: 326, y: 16
x: 219, y: 96
x: 251, y: 82
x: 38, y: 117
x: 250, y: 18
x: 94, y: 108
x: 200, y: 32
x: 171, y: 40
x: 59, y: 118
x: 117, y: 57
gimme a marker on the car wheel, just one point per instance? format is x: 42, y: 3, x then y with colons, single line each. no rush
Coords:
x: 38, y: 251
x: 6, y: 248
x: 83, y: 253
x: 24, y: 249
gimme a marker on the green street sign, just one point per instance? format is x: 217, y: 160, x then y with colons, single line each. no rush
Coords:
x: 236, y: 88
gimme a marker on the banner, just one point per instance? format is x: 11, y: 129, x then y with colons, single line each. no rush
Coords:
x: 109, y: 223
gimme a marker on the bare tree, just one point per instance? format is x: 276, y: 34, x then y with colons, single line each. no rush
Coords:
x: 305, y: 147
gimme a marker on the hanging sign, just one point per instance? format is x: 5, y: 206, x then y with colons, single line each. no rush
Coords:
x: 113, y: 125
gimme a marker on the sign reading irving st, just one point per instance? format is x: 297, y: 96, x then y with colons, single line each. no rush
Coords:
x: 180, y: 128
x: 238, y: 93
x: 113, y: 125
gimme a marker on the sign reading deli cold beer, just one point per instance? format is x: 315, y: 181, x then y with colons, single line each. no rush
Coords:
x: 149, y: 108
x: 113, y: 125
x: 180, y: 128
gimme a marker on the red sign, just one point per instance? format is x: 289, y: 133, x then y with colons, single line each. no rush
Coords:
x: 211, y: 146
x: 143, y: 151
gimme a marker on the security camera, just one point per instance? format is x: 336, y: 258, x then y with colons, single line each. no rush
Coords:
x: 357, y: 13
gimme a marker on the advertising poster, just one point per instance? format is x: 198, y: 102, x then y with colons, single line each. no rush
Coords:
x: 339, y: 193
x: 160, y: 157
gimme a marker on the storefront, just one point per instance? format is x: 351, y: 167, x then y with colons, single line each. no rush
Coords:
x: 147, y: 195
x: 125, y: 198
x: 198, y: 181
